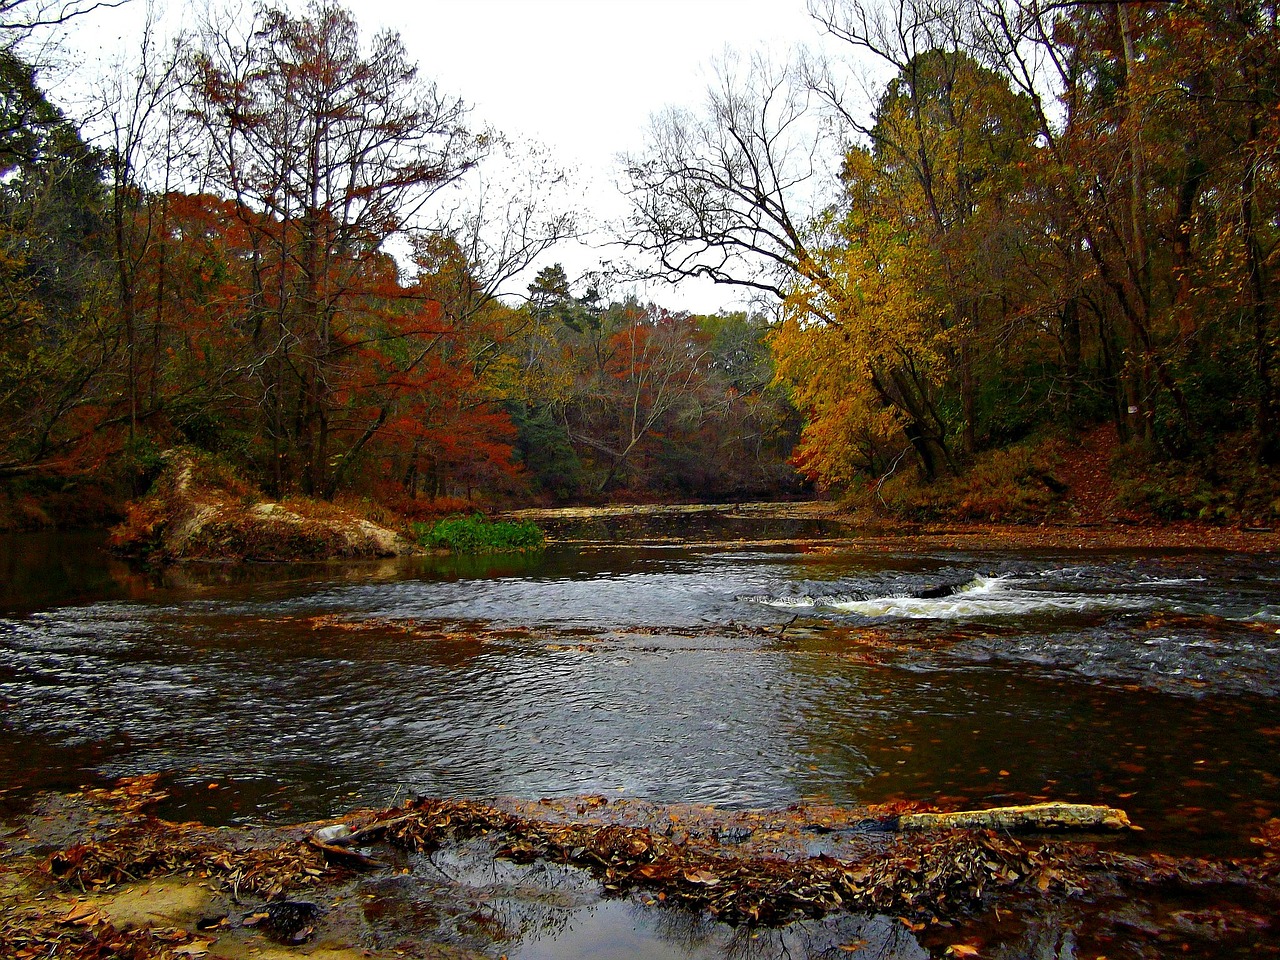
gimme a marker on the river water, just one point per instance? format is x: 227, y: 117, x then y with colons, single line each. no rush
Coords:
x: 727, y: 674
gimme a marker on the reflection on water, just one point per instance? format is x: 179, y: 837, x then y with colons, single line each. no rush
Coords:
x: 548, y: 911
x: 745, y: 677
x: 41, y: 569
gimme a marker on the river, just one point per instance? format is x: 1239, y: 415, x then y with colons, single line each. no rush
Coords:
x: 740, y: 675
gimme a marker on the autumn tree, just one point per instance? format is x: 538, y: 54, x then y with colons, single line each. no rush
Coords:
x: 626, y: 395
x: 330, y: 147
x: 1133, y: 101
x: 750, y: 424
x: 56, y: 351
x: 733, y: 196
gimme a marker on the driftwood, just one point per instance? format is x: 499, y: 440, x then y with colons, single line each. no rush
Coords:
x: 342, y: 854
x: 1038, y: 816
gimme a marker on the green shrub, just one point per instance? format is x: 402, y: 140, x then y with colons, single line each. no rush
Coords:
x: 475, y: 534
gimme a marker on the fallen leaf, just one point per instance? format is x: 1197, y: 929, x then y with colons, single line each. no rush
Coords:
x: 655, y: 871
x: 705, y: 877
x: 962, y: 950
x: 83, y: 914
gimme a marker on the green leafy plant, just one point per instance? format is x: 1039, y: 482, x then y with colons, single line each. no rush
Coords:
x: 475, y: 534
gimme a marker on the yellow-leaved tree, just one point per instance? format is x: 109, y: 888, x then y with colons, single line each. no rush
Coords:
x: 865, y: 350
x: 890, y: 316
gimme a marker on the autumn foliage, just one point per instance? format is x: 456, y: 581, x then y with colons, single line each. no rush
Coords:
x: 1038, y: 220
x: 274, y: 261
x: 1046, y: 217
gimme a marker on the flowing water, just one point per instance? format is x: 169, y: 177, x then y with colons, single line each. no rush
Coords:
x: 739, y: 676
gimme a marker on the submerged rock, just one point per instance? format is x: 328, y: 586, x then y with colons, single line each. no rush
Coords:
x: 199, y: 509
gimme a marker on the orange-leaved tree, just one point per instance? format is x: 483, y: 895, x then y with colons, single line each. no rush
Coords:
x: 330, y: 147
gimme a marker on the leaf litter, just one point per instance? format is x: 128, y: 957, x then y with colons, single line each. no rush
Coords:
x: 753, y: 868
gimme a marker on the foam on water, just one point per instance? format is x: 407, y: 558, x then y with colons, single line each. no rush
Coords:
x: 981, y: 597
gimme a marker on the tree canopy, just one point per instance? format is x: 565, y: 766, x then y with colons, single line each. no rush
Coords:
x: 274, y: 240
x: 1047, y: 215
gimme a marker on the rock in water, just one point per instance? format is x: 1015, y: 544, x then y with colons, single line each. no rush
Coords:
x: 291, y: 920
x: 333, y: 834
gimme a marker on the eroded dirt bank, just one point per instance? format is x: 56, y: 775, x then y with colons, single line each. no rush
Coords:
x: 199, y: 509
x: 94, y: 875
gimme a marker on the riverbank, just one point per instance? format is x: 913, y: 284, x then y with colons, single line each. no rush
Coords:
x: 95, y: 874
x: 198, y: 508
x: 873, y: 533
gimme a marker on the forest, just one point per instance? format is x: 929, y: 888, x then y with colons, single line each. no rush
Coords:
x: 987, y: 229
x: 377, y: 580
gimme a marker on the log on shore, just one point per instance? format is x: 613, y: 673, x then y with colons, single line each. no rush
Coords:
x: 1038, y: 816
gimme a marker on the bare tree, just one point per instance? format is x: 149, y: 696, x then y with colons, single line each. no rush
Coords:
x: 137, y: 114
x: 732, y: 195
x: 507, y: 214
x: 20, y: 18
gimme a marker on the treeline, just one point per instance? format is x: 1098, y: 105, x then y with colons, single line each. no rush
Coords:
x: 1050, y: 215
x: 268, y: 243
x: 984, y: 221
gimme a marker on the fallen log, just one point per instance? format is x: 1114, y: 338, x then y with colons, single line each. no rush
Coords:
x: 1030, y: 818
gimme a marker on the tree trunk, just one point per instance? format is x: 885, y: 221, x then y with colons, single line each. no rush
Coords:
x: 1069, y: 335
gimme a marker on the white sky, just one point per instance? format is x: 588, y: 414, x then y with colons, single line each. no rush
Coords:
x: 581, y: 76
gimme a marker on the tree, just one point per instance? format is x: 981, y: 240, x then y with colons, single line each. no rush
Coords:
x: 653, y: 367
x: 627, y: 395
x: 1156, y: 145
x: 730, y: 195
x: 945, y: 146
x: 20, y: 18
x: 750, y: 426
x: 874, y: 371
x: 330, y: 148
x: 143, y: 138
x: 55, y: 349
x: 722, y: 197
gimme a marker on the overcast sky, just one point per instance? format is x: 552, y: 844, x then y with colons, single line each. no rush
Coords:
x: 581, y: 76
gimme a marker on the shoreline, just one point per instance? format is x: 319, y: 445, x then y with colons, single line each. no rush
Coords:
x: 882, y: 533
